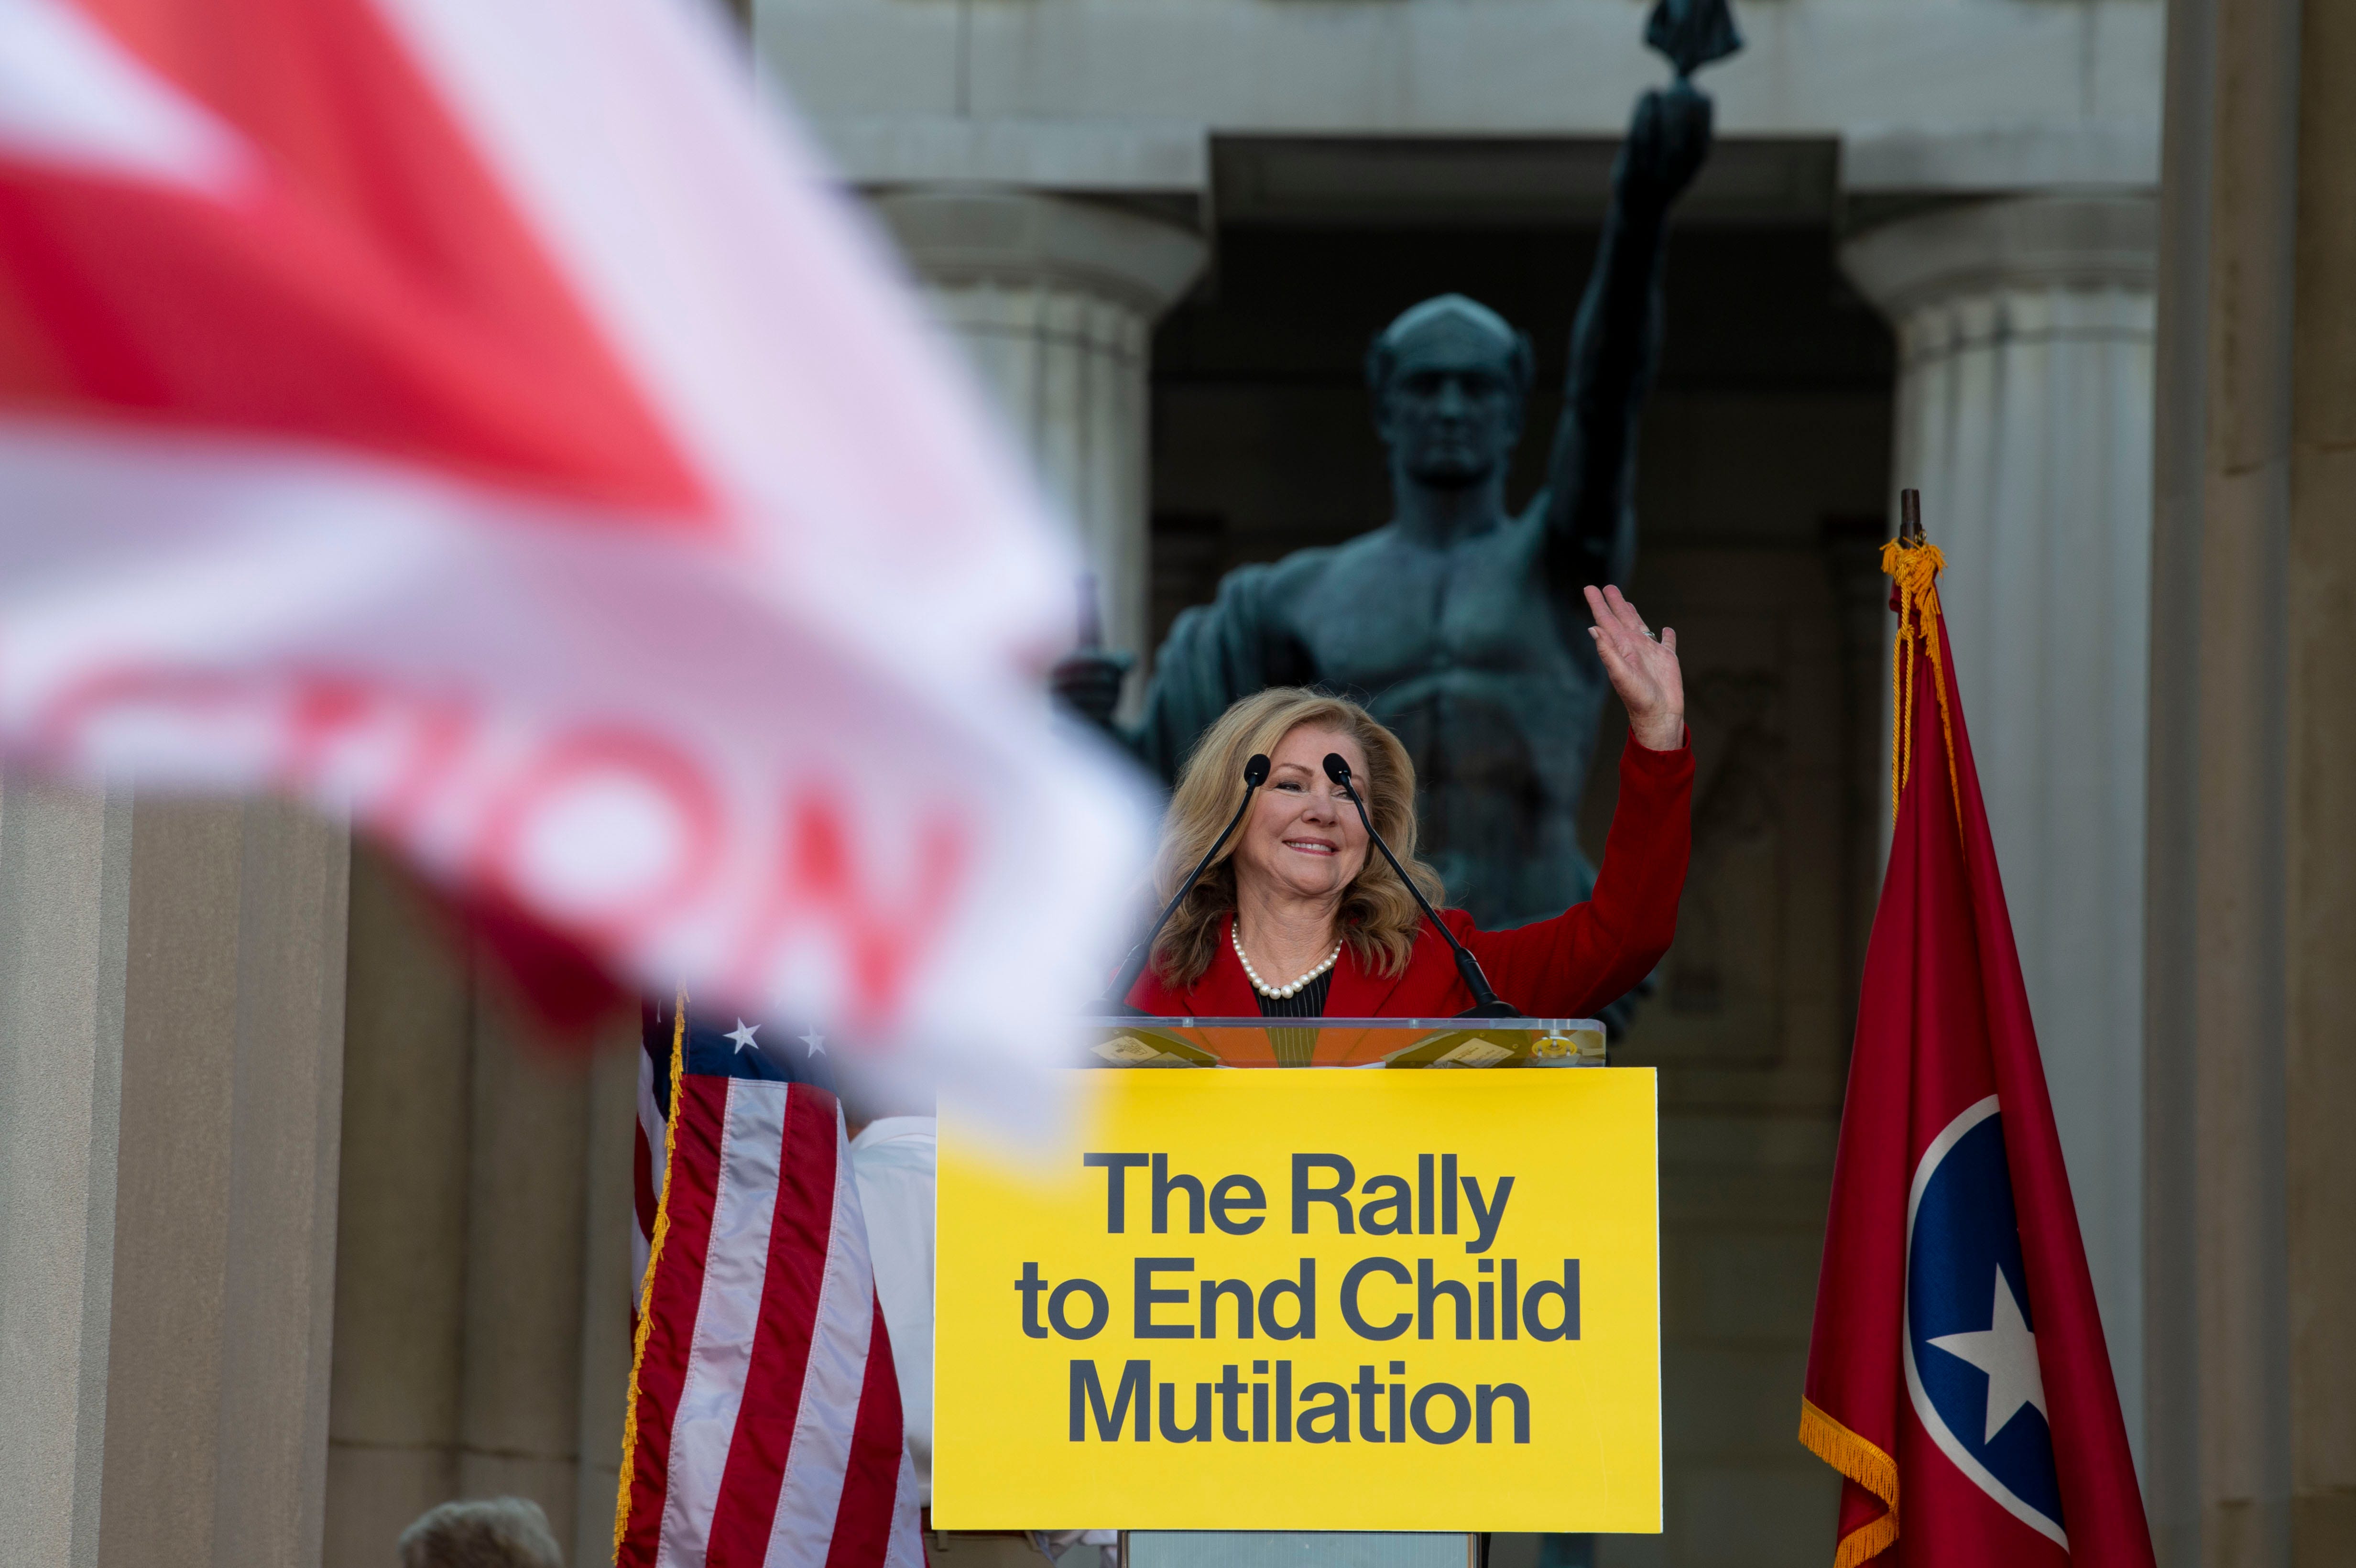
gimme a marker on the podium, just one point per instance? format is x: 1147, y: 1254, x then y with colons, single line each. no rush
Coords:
x: 1451, y: 1042
x: 1399, y: 1043
x: 1351, y: 1314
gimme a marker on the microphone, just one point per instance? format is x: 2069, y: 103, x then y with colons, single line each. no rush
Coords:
x: 1255, y: 775
x: 1485, y: 1004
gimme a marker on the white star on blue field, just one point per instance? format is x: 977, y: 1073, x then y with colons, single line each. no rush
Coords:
x: 2007, y: 1351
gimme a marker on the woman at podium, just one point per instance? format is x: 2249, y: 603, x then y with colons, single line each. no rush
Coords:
x: 1301, y: 916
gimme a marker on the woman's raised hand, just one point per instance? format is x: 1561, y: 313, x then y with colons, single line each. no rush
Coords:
x: 1642, y: 667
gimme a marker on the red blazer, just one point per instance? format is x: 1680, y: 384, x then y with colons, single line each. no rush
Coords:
x: 1569, y: 967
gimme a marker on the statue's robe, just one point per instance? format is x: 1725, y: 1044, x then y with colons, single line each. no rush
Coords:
x: 1493, y: 685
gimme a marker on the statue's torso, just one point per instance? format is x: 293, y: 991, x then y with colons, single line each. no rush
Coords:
x: 1496, y: 693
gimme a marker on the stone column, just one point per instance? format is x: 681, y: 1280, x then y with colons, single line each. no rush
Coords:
x: 171, y: 1056
x: 401, y: 1259
x: 482, y: 1283
x: 225, y: 1215
x: 519, y: 1411
x: 607, y: 1290
x: 1054, y: 300
x: 2252, y: 956
x: 2025, y: 417
x: 65, y: 896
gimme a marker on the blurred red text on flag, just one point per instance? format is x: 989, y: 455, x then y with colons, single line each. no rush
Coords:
x: 489, y: 422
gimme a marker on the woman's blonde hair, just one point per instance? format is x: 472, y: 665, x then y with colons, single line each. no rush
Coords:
x: 1377, y: 915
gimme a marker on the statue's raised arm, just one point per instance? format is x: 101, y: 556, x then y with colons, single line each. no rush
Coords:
x: 1615, y: 341
x: 1436, y: 618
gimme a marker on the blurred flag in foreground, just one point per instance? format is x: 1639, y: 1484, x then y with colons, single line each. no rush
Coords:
x: 1957, y: 1376
x: 765, y: 1414
x: 480, y: 416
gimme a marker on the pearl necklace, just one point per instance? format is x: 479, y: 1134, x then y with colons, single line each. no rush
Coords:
x: 1236, y: 935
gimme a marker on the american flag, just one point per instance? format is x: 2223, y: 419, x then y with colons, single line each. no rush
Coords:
x: 765, y: 1412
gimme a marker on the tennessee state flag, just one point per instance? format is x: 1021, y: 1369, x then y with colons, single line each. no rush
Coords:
x: 1958, y: 1375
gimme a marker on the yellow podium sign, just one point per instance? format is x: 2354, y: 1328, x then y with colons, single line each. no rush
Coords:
x: 1320, y: 1300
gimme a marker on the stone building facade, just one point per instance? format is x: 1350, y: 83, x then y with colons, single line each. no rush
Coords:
x: 298, y: 1234
x: 1923, y: 254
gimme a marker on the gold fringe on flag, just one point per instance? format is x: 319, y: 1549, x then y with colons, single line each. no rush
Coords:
x: 1914, y: 566
x: 646, y: 1285
x: 1866, y: 1465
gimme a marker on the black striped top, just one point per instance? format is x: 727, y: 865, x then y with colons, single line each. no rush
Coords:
x: 1309, y: 1002
x: 1294, y: 1047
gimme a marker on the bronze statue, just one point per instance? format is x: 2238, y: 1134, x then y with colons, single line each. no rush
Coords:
x: 1460, y: 625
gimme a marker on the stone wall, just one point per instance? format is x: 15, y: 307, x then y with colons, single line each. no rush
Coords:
x: 171, y: 1031
x: 482, y: 1278
x: 2250, y: 1173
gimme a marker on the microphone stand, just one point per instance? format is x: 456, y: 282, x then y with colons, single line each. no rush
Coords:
x: 1116, y: 998
x: 1485, y: 1004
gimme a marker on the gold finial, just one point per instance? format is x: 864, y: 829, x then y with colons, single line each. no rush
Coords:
x: 1913, y: 563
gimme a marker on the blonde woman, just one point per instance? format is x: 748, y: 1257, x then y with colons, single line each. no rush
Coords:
x: 1299, y: 919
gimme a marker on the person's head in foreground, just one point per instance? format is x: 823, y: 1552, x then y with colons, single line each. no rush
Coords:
x: 1300, y: 877
x: 490, y: 1532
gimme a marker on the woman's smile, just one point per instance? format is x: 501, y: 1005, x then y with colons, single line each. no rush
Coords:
x: 1313, y: 846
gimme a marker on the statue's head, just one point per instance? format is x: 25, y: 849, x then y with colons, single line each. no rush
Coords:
x: 1449, y: 378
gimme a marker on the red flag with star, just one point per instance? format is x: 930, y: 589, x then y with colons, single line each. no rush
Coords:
x: 1957, y: 1377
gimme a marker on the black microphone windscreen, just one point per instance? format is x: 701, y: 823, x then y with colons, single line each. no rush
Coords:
x: 1256, y: 771
x: 1337, y: 770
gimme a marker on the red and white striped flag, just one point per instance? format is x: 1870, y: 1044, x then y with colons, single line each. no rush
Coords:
x: 764, y: 1427
x: 482, y: 418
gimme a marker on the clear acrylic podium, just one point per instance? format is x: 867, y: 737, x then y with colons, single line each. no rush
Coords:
x: 1451, y: 1043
